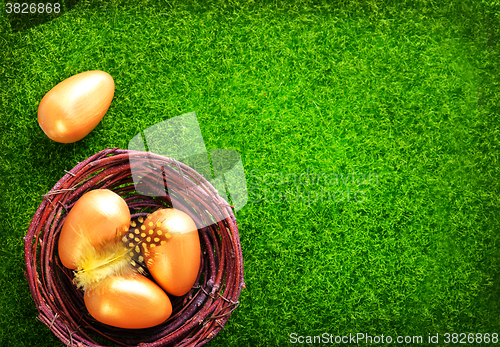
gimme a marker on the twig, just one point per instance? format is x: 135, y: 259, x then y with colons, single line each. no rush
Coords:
x: 59, y: 191
x: 70, y: 173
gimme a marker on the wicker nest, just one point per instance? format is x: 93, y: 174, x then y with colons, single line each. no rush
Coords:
x: 197, y: 316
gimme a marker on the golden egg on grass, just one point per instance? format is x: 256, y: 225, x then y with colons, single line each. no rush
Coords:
x: 74, y: 107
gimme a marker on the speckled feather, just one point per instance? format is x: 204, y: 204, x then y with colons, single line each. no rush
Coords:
x: 140, y: 238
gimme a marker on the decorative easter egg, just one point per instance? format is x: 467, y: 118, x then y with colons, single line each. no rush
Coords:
x: 74, y: 107
x: 132, y: 302
x: 172, y: 252
x: 98, y: 216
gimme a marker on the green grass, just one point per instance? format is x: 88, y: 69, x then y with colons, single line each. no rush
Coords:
x: 407, y: 93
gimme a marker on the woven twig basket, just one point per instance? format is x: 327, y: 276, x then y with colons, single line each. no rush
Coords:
x: 199, y: 315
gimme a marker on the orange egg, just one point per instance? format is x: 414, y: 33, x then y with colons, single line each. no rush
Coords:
x: 97, y: 217
x: 74, y: 107
x: 132, y: 302
x: 175, y: 262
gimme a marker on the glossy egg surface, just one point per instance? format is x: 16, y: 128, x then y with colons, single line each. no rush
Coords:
x: 132, y: 302
x: 74, y: 107
x: 174, y: 264
x: 98, y: 216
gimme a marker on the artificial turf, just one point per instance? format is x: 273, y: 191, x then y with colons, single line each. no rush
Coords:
x: 395, y: 104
